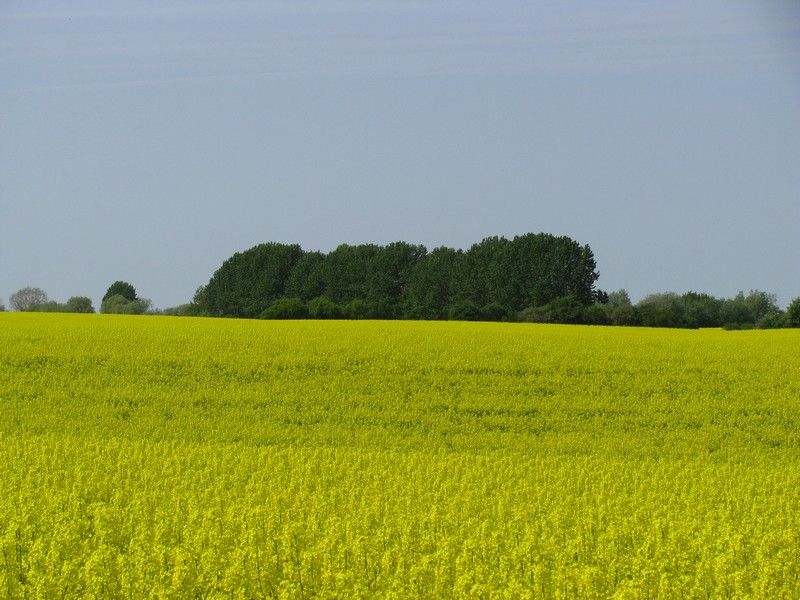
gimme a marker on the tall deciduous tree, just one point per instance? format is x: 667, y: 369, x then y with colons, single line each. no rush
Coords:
x: 431, y: 288
x: 27, y: 297
x: 388, y: 278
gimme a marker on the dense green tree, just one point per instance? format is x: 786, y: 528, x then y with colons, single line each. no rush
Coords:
x: 735, y: 311
x: 121, y: 288
x: 700, y: 310
x: 486, y: 275
x: 542, y: 267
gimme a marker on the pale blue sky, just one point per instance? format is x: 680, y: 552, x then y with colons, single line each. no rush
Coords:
x: 149, y: 141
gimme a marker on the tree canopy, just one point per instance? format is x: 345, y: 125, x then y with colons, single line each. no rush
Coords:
x: 121, y: 288
x: 27, y: 297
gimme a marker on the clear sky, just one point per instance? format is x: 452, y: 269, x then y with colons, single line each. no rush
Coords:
x: 148, y: 141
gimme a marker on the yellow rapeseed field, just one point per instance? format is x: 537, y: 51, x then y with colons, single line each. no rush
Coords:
x: 180, y: 458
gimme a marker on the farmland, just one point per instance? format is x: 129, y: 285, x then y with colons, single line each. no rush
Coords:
x: 165, y: 457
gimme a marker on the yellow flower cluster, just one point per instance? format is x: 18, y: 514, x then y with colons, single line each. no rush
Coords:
x: 175, y: 458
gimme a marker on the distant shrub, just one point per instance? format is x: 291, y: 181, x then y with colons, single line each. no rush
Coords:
x: 286, y: 308
x: 357, y: 309
x: 324, y: 308
x: 465, y: 310
x: 79, y: 304
x: 494, y: 311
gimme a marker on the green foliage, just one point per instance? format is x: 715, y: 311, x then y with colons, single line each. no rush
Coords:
x: 357, y: 309
x: 494, y: 311
x: 120, y: 305
x: 286, y: 308
x: 76, y: 304
x: 347, y: 271
x: 774, y: 319
x: 182, y: 310
x: 121, y: 288
x: 465, y: 310
x: 662, y: 310
x: 567, y: 309
x: 700, y: 310
x: 114, y: 304
x: 79, y: 304
x: 596, y: 314
x: 388, y: 277
x: 793, y: 313
x: 623, y: 315
x: 307, y: 279
x: 619, y: 298
x: 325, y: 308
x: 432, y: 285
x: 49, y: 306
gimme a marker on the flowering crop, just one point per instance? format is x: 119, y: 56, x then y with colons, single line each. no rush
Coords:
x: 164, y: 457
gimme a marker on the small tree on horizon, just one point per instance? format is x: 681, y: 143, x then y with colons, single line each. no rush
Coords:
x: 121, y: 288
x: 27, y: 297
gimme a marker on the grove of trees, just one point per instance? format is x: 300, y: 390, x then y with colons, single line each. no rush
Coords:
x: 492, y: 280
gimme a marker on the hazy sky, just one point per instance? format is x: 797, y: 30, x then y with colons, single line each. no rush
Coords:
x: 148, y: 141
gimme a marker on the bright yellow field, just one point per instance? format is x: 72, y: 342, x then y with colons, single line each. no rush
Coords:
x: 177, y: 457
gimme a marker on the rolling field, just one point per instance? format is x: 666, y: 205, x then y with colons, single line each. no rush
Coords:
x: 178, y: 457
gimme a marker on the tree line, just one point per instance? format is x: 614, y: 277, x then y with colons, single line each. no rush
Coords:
x: 691, y: 310
x: 531, y: 278
x: 494, y: 279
